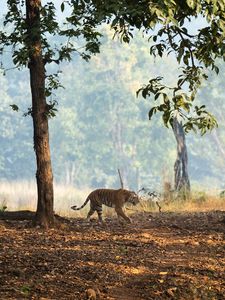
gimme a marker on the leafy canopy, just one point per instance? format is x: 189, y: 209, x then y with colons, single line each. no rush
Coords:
x: 77, y: 34
x: 166, y: 23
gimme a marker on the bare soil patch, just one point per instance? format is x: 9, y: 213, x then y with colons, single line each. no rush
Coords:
x: 158, y: 256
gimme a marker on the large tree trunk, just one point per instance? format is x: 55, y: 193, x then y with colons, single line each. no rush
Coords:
x: 44, y: 214
x: 181, y: 180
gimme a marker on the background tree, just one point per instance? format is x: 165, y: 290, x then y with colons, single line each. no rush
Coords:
x: 86, y: 162
x: 192, y: 50
x: 181, y: 177
x: 205, y: 159
x: 114, y: 127
x: 16, y: 146
x: 167, y: 25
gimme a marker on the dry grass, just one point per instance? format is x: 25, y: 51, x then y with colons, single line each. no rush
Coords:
x: 199, y: 201
x: 20, y: 195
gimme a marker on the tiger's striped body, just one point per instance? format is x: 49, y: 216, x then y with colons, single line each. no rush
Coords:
x: 110, y: 198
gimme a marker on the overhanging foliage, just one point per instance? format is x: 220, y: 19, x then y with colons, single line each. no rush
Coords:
x: 167, y: 25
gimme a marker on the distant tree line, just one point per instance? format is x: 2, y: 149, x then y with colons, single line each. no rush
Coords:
x: 101, y: 125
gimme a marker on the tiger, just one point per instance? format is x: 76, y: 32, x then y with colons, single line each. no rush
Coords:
x: 111, y: 198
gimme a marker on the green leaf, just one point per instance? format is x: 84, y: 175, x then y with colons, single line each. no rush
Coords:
x: 152, y: 111
x: 166, y: 117
x: 165, y: 98
x: 14, y: 107
x: 62, y: 7
x: 154, y: 38
x: 191, y: 3
x: 157, y: 96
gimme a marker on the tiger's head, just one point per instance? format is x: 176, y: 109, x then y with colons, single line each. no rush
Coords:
x: 133, y: 199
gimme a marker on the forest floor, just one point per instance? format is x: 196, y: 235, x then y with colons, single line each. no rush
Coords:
x: 158, y: 256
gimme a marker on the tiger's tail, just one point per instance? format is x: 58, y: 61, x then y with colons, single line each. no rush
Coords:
x: 74, y: 207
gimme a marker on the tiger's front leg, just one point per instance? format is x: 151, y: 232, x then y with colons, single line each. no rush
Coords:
x: 121, y: 213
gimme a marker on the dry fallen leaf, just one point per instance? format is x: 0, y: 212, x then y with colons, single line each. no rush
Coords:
x: 171, y: 291
x: 163, y: 273
x: 150, y: 260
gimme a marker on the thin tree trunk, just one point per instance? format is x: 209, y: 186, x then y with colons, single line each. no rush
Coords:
x: 137, y: 179
x: 117, y: 137
x: 44, y: 213
x: 181, y: 178
x: 218, y: 143
x: 121, y: 180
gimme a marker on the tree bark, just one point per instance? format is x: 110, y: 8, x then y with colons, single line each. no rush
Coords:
x: 44, y: 214
x: 181, y: 178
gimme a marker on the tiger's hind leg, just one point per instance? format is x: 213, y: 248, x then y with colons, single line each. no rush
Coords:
x: 99, y: 212
x: 90, y: 213
x: 94, y: 208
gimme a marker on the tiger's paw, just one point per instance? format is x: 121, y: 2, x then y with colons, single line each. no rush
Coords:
x: 101, y: 223
x: 92, y: 294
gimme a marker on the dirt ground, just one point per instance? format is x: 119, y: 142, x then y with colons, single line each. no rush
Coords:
x: 158, y: 256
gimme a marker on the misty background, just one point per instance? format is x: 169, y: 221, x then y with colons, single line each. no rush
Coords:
x: 101, y: 125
